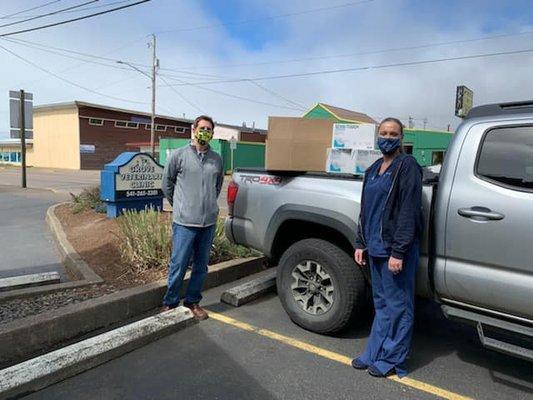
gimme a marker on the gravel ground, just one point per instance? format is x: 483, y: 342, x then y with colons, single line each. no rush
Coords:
x: 20, y: 308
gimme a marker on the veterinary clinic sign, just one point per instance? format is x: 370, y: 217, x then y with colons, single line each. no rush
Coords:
x: 141, y: 177
x: 131, y: 182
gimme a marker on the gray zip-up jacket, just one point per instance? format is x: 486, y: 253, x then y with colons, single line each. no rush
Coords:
x: 192, y: 186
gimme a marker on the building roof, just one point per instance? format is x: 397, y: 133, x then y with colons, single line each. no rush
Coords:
x: 345, y: 115
x: 14, y: 142
x: 78, y: 104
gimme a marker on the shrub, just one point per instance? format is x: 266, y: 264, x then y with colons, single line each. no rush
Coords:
x: 148, y: 241
x: 89, y: 198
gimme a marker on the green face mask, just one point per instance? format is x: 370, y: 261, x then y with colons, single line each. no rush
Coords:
x: 203, y: 136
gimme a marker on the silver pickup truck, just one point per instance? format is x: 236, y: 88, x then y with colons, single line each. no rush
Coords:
x: 476, y: 253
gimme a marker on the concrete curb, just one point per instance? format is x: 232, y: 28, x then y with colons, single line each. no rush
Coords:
x: 43, y: 371
x: 27, y: 337
x: 72, y: 260
x: 251, y: 290
x: 74, y: 264
x: 28, y: 280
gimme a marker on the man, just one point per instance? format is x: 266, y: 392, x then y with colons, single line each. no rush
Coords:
x: 192, y: 182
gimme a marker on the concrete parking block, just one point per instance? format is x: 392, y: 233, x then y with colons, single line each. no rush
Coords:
x: 251, y: 290
x: 43, y: 371
x: 21, y: 281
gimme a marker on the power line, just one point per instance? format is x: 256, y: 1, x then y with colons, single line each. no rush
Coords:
x: 74, y: 19
x: 48, y: 14
x: 347, y: 55
x: 67, y: 80
x: 39, y: 47
x: 365, y: 68
x: 199, y: 86
x: 82, y: 9
x: 197, y: 108
x: 35, y: 46
x: 249, y: 21
x: 30, y: 9
x: 280, y: 96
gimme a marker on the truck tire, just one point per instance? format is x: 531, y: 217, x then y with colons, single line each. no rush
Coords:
x: 320, y: 286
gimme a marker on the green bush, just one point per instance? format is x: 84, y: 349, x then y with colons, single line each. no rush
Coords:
x: 148, y: 241
x: 88, y: 199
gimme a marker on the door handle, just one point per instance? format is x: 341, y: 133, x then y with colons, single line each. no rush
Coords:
x: 480, y: 214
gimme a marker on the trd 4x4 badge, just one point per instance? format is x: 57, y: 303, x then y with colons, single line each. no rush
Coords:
x: 262, y: 180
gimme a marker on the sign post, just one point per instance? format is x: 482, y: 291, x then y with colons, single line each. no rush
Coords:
x: 132, y: 181
x: 464, y: 100
x: 21, y: 119
x: 233, y: 147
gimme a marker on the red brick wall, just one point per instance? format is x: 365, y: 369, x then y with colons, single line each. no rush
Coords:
x: 253, y: 137
x: 111, y: 141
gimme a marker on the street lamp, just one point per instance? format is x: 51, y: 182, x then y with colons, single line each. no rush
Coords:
x: 155, y: 65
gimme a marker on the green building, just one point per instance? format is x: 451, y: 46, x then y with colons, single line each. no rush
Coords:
x: 427, y: 146
x: 247, y: 154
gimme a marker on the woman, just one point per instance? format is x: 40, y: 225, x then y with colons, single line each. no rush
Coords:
x: 390, y: 224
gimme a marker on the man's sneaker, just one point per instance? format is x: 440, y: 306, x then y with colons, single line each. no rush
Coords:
x: 198, y: 312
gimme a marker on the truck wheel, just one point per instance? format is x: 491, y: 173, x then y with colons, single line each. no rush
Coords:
x: 320, y: 286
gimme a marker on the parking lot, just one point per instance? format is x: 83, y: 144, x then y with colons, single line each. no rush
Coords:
x: 255, y: 351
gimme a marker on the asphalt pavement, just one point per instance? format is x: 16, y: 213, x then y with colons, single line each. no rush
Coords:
x: 56, y: 180
x: 256, y: 352
x: 26, y: 243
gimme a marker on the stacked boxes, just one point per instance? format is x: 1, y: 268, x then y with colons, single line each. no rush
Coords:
x: 352, y: 148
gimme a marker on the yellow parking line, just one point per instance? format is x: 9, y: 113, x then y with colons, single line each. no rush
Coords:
x: 424, y: 387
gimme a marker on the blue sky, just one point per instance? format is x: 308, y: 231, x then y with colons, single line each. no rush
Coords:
x: 199, y: 41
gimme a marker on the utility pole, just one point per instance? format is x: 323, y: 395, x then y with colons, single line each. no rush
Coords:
x: 425, y: 122
x: 155, y: 65
x: 23, y: 136
x: 411, y: 122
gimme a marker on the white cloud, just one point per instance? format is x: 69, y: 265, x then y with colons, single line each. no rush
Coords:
x: 420, y: 91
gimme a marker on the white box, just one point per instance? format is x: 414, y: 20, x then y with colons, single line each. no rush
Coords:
x: 354, y: 136
x: 362, y: 159
x: 340, y: 161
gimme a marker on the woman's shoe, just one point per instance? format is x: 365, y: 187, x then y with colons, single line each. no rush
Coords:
x: 358, y: 364
x: 373, y: 371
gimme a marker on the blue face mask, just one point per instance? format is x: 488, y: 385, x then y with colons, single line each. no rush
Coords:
x: 388, y: 146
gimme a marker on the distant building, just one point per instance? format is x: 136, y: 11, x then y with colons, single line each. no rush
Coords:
x: 325, y: 111
x: 80, y: 135
x: 427, y: 146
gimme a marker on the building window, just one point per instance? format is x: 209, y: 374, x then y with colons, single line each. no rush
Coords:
x: 148, y: 127
x: 506, y: 157
x: 180, y: 129
x: 437, y: 157
x: 126, y: 124
x: 161, y: 128
x: 96, y: 121
x: 408, y: 148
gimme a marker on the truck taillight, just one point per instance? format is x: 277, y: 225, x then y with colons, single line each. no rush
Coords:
x: 233, y: 189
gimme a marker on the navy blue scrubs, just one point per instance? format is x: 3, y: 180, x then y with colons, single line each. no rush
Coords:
x: 390, y: 338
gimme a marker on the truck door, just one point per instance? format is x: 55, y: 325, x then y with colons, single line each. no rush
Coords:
x: 489, y: 224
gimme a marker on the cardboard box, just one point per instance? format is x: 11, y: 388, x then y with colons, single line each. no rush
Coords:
x: 297, y: 144
x: 354, y: 136
x: 340, y: 161
x: 362, y: 159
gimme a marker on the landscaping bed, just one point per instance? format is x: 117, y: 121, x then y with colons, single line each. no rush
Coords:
x: 125, y: 252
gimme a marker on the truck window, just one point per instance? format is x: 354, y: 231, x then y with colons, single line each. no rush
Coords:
x: 506, y: 157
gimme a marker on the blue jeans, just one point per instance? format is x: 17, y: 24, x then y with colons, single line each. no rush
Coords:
x: 390, y: 338
x: 186, y: 242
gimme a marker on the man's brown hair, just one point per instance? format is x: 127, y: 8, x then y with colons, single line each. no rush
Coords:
x: 205, y: 118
